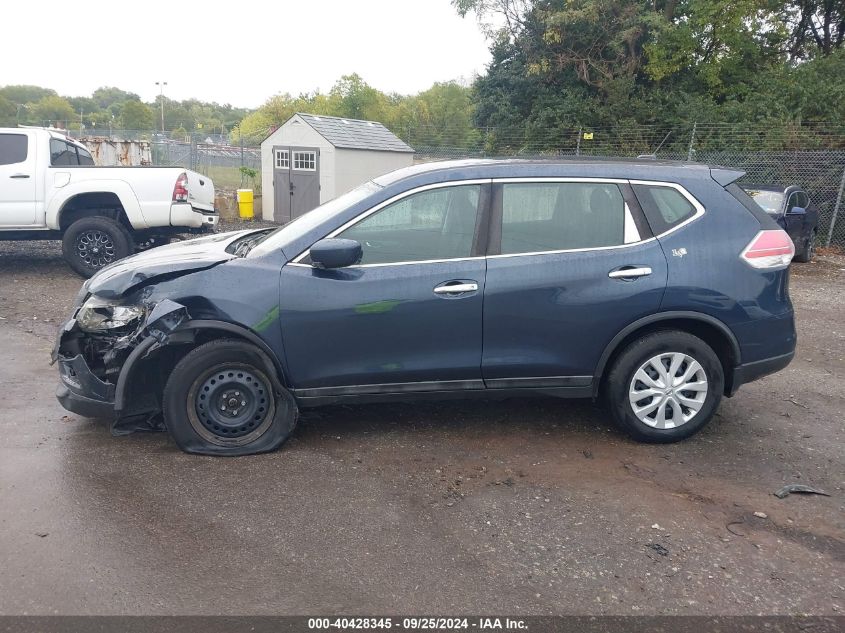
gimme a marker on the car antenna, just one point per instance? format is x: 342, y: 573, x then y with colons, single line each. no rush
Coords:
x: 653, y: 155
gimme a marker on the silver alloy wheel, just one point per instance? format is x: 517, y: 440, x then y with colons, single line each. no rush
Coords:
x: 668, y: 390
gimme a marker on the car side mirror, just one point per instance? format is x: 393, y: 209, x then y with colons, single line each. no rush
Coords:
x: 797, y: 211
x: 335, y: 253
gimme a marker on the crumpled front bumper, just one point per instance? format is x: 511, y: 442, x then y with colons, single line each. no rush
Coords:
x: 83, y: 392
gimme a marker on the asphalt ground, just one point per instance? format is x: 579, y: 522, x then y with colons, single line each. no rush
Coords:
x: 520, y: 507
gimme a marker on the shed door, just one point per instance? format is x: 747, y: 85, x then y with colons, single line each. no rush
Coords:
x: 296, y: 181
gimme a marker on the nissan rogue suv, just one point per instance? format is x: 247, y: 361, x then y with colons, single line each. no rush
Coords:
x: 659, y: 287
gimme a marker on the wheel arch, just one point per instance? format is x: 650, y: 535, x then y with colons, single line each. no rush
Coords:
x: 708, y: 328
x: 114, y: 199
x: 185, y: 338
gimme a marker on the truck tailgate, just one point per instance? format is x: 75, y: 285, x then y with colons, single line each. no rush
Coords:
x: 200, y: 191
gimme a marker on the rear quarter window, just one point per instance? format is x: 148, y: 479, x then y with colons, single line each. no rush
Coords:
x: 766, y: 221
x: 664, y: 207
x: 13, y: 148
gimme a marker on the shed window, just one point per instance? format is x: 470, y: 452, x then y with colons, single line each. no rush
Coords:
x: 282, y: 160
x: 306, y: 161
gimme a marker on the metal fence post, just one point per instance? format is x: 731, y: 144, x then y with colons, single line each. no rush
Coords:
x: 836, y: 209
x: 691, y: 142
x: 578, y: 142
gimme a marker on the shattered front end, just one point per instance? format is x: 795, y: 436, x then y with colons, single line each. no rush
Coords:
x: 100, y: 347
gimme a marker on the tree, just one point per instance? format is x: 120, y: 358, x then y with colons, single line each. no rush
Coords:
x: 109, y: 95
x: 25, y: 94
x: 8, y: 112
x: 135, y: 115
x: 358, y: 100
x: 53, y: 110
x: 817, y: 25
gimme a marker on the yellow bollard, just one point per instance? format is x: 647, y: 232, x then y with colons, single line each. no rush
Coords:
x: 245, y: 208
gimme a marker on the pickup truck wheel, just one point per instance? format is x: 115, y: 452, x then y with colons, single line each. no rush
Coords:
x: 665, y: 386
x: 91, y: 243
x: 220, y: 399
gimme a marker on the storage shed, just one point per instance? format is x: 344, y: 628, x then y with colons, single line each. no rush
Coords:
x: 314, y: 158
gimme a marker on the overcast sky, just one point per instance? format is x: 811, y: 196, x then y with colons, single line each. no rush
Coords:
x: 237, y: 52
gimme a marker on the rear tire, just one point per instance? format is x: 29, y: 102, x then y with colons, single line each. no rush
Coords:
x: 92, y: 243
x: 806, y: 253
x: 222, y: 399
x: 645, y: 388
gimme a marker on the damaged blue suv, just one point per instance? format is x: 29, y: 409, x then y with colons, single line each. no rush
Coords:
x: 659, y: 287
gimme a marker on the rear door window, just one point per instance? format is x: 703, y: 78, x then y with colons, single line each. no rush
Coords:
x: 13, y: 148
x: 62, y: 153
x: 664, y: 207
x: 85, y: 157
x: 555, y: 216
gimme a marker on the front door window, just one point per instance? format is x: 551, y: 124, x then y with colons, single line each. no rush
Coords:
x: 430, y: 225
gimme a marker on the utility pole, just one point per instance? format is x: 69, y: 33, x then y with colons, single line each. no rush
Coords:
x: 161, y: 85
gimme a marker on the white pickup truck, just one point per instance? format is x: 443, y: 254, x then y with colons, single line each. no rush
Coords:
x: 50, y: 189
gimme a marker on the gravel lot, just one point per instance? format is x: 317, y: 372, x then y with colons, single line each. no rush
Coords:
x: 524, y: 506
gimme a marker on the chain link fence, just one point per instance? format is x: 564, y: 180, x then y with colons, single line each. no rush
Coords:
x: 819, y: 166
x: 810, y: 155
x: 210, y: 154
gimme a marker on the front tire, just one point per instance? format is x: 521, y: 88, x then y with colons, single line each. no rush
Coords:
x: 665, y: 386
x: 92, y: 243
x: 222, y: 399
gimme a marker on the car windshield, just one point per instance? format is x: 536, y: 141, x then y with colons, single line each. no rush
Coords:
x: 308, y: 221
x: 771, y: 201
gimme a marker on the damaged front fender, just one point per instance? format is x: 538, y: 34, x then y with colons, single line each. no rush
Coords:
x: 95, y: 367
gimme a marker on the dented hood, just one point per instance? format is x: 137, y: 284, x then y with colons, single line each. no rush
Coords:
x: 170, y: 260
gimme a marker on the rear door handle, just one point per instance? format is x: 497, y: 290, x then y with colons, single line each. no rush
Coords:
x: 455, y: 288
x: 629, y: 272
x: 19, y: 176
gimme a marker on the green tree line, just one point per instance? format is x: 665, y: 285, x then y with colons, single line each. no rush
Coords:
x: 439, y: 116
x: 774, y: 65
x: 113, y: 108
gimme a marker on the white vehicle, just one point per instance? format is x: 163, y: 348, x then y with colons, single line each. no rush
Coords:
x: 50, y: 189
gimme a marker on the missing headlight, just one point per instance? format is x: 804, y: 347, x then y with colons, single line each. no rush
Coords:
x: 101, y: 315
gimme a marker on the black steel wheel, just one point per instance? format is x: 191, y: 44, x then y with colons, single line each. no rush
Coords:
x: 223, y: 398
x: 232, y: 404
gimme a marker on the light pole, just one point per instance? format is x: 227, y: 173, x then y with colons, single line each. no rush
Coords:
x: 161, y: 85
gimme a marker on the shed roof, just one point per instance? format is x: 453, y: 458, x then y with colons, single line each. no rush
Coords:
x: 355, y: 134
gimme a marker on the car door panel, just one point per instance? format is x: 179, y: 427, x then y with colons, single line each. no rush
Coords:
x: 18, y: 178
x: 373, y: 325
x: 408, y: 317
x: 553, y: 314
x: 548, y: 314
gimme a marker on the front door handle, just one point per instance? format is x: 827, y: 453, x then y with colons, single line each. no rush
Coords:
x: 629, y: 272
x: 19, y: 176
x: 455, y: 288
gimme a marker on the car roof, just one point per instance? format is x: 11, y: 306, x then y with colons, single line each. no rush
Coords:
x: 623, y: 168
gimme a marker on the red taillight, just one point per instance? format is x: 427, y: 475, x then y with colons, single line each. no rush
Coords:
x: 769, y: 250
x: 180, y: 191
